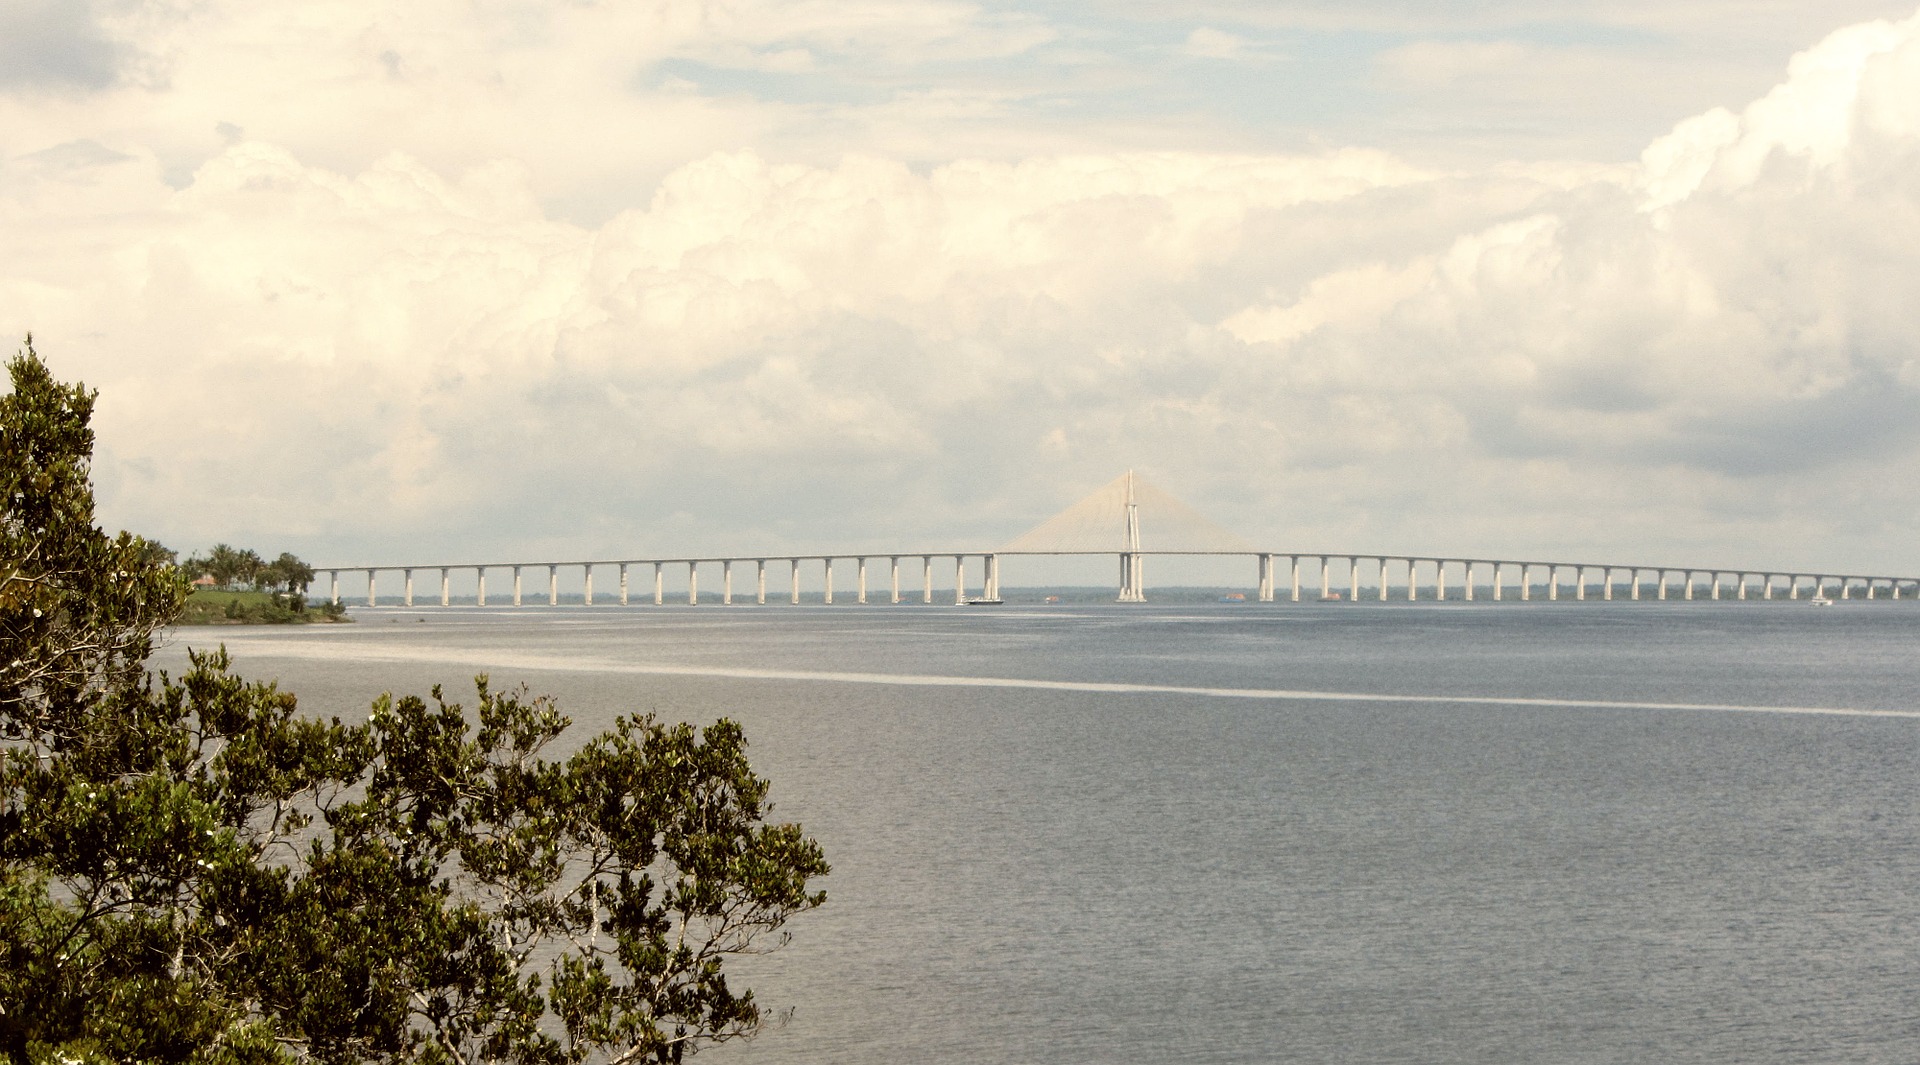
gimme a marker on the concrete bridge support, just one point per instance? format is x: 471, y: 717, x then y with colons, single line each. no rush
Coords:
x: 446, y: 588
x: 480, y: 586
x: 409, y: 586
x: 693, y: 584
x: 586, y: 584
x: 516, y: 586
x: 372, y: 600
x: 726, y: 583
x: 860, y: 588
x: 760, y: 582
x: 334, y: 576
x: 959, y: 580
x: 623, y: 584
x: 827, y: 569
x: 796, y: 582
x: 1293, y: 563
x: 1497, y: 568
x: 894, y: 565
x: 1553, y: 584
x: 1381, y: 565
x: 659, y: 585
x: 1326, y: 580
x: 1440, y: 580
x: 1265, y: 578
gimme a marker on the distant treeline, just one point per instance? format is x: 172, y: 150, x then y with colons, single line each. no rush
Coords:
x: 233, y: 568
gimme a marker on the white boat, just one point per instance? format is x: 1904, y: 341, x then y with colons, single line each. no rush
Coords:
x: 1820, y: 600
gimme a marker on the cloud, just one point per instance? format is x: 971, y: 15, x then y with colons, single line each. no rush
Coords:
x: 417, y: 354
x: 54, y: 45
x: 1205, y: 42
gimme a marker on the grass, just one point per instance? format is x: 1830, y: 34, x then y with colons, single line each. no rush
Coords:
x: 209, y: 606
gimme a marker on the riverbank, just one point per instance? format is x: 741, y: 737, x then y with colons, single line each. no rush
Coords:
x: 213, y: 607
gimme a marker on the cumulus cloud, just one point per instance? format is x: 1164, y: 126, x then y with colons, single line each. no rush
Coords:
x: 1705, y: 352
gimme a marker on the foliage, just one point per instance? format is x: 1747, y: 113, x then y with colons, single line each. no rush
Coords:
x: 212, y: 607
x: 78, y: 609
x: 232, y: 567
x: 191, y: 870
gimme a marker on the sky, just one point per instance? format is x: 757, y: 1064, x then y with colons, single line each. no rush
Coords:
x: 455, y: 280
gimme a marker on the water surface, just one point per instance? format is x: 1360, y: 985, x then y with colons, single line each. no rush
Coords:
x: 1174, y: 835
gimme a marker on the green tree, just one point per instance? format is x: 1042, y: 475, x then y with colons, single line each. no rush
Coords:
x: 192, y: 870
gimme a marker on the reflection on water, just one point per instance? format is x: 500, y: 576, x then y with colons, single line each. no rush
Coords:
x: 1153, y: 834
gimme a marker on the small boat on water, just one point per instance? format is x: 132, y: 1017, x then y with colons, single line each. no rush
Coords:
x: 1820, y: 600
x: 984, y: 601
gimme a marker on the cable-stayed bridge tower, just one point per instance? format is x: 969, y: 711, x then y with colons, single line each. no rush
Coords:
x: 1108, y: 521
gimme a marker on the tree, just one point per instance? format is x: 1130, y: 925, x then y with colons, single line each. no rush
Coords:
x: 192, y: 870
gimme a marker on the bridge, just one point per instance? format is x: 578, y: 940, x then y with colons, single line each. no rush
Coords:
x: 1110, y: 522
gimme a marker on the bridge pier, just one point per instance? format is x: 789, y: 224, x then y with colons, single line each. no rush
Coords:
x: 1526, y: 582
x: 371, y: 598
x: 796, y: 582
x: 446, y: 588
x: 860, y: 595
x: 991, y: 563
x: 623, y: 584
x: 1689, y: 586
x: 1382, y: 566
x: 1716, y: 585
x: 409, y: 579
x: 553, y: 585
x: 1326, y: 585
x: 1440, y: 580
x: 1293, y: 563
x: 894, y: 565
x: 693, y: 583
x: 726, y: 582
x: 1265, y: 578
x: 959, y: 580
x: 659, y: 585
x: 516, y: 586
x: 334, y: 575
x: 480, y: 582
x: 760, y: 582
x: 1553, y: 584
x: 827, y: 568
x: 1497, y: 567
x: 586, y: 584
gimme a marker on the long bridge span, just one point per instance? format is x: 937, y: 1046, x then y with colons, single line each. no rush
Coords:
x: 1109, y: 522
x: 1311, y: 576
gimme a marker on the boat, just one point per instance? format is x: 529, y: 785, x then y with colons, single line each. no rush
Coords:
x: 984, y: 601
x: 1820, y: 600
x: 1234, y: 597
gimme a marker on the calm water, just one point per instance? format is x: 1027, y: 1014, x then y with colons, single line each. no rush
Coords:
x: 1070, y: 836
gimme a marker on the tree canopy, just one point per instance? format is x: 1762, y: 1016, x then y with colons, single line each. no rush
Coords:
x: 192, y: 870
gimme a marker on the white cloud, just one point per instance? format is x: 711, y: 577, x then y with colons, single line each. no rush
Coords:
x: 414, y: 352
